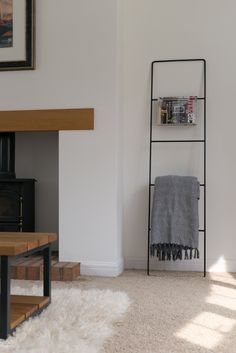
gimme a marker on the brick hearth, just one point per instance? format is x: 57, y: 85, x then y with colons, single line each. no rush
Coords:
x: 31, y: 268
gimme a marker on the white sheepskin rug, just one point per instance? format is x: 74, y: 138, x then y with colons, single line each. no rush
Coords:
x: 77, y: 321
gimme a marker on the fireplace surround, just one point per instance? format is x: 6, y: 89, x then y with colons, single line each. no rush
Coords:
x: 40, y: 120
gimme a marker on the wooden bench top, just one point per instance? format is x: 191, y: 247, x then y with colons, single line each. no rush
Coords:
x: 15, y: 243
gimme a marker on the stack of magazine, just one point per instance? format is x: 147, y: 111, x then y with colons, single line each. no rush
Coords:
x: 177, y: 110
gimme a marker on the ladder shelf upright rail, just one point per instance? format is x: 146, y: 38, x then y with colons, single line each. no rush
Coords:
x: 203, y: 140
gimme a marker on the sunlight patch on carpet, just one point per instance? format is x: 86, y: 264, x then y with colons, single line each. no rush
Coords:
x: 206, y: 330
x: 77, y: 321
x: 223, y: 296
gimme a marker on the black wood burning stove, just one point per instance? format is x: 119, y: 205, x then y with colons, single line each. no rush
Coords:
x: 17, y: 210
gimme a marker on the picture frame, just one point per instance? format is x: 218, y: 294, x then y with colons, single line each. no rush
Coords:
x: 17, y: 35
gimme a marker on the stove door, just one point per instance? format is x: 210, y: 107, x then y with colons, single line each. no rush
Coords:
x: 9, y: 204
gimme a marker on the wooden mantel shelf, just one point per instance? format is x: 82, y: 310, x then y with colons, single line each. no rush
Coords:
x: 47, y: 120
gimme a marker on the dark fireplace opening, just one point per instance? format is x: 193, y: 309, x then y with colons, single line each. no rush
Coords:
x: 17, y: 195
x: 7, y: 155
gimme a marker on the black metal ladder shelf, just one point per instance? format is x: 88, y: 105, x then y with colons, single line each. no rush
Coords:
x: 151, y: 185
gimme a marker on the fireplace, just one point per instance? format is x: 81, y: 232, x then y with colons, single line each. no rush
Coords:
x: 17, y: 200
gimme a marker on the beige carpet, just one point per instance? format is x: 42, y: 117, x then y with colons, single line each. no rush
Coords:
x: 173, y: 312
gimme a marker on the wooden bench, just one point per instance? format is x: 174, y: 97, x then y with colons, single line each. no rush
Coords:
x: 14, y: 309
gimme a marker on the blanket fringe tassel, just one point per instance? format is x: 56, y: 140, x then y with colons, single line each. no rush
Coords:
x: 173, y: 252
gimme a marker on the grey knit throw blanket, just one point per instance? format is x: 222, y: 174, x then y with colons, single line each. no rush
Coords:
x: 174, y: 218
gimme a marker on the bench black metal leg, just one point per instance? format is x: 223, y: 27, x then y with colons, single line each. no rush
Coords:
x: 47, y: 272
x: 5, y: 298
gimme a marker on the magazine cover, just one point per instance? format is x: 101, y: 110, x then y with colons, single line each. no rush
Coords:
x: 177, y: 110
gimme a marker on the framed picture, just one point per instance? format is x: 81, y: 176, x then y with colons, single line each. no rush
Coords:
x: 17, y: 34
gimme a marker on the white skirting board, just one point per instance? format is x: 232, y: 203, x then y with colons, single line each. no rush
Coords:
x: 213, y: 265
x: 104, y: 269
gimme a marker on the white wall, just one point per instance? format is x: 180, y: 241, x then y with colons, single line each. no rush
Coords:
x: 90, y: 229
x: 167, y: 29
x: 76, y: 52
x: 88, y: 54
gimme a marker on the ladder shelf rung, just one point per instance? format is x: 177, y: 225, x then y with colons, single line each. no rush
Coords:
x: 203, y: 185
x: 157, y: 141
x: 200, y: 230
x: 198, y: 98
